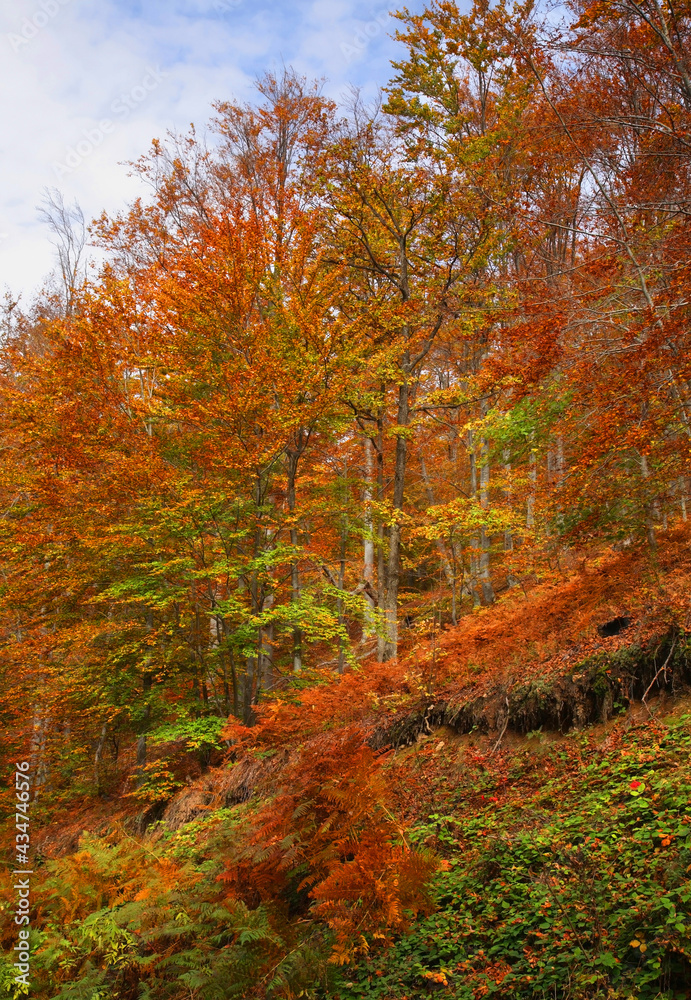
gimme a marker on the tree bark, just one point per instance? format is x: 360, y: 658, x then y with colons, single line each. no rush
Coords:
x: 508, y: 536
x: 293, y: 459
x: 530, y: 504
x: 143, y: 729
x: 381, y: 533
x: 389, y: 643
x: 439, y: 543
x: 485, y: 577
x: 341, y: 585
x: 649, y: 508
x: 97, y: 757
x: 368, y: 553
x: 475, y: 538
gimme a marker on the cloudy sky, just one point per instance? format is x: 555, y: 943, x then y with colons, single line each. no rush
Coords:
x: 86, y: 85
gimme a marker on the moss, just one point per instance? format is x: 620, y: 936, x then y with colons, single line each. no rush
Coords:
x: 591, y: 691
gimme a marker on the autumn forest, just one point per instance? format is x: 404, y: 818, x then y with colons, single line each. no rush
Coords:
x: 344, y: 536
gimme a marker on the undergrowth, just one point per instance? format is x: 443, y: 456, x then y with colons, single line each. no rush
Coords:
x: 563, y: 871
x: 566, y: 875
x: 389, y: 834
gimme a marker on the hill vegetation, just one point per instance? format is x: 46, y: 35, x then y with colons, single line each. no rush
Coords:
x: 344, y: 591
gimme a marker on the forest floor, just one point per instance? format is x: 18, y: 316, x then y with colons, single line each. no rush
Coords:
x: 504, y: 811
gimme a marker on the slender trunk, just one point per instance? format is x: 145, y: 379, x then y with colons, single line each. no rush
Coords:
x: 381, y: 535
x: 226, y: 691
x: 682, y: 497
x: 234, y: 680
x: 561, y: 464
x: 454, y: 563
x: 439, y: 543
x: 252, y: 681
x: 265, y: 658
x: 474, y: 539
x: 508, y: 536
x: 485, y: 577
x: 216, y: 631
x: 368, y: 554
x: 532, y: 473
x: 38, y: 764
x: 243, y: 679
x: 341, y: 584
x: 248, y: 691
x: 293, y: 459
x: 453, y: 445
x: 143, y: 729
x: 259, y: 671
x: 393, y: 569
x: 97, y: 757
x: 649, y: 508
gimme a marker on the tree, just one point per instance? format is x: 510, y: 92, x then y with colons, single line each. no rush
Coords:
x: 68, y: 230
x: 414, y: 249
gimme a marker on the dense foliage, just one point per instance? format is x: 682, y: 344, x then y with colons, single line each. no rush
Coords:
x: 350, y: 384
x: 566, y: 874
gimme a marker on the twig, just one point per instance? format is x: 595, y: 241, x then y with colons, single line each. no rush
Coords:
x: 361, y: 656
x: 501, y: 734
x: 663, y: 669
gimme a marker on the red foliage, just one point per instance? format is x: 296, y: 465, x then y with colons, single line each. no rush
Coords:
x: 329, y: 832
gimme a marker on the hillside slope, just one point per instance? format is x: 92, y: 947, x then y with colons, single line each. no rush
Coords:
x: 504, y: 811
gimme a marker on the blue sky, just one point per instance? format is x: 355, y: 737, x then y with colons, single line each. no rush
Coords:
x: 86, y: 85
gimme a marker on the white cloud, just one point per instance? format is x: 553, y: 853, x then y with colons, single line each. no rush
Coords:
x: 87, y: 86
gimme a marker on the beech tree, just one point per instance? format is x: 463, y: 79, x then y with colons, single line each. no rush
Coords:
x: 347, y: 373
x: 414, y: 247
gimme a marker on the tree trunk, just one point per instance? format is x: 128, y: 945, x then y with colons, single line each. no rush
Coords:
x: 381, y: 534
x: 508, y: 536
x: 341, y: 585
x: 97, y: 757
x: 439, y: 543
x: 248, y: 691
x: 474, y: 539
x: 265, y: 658
x: 560, y: 458
x: 368, y: 554
x: 485, y: 577
x: 143, y: 729
x: 649, y: 508
x: 293, y: 459
x: 38, y: 765
x: 389, y: 645
x: 530, y: 505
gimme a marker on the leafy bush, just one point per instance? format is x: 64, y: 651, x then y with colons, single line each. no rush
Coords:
x: 592, y: 900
